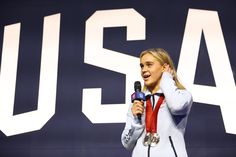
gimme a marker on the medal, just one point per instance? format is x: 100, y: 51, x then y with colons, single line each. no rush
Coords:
x: 147, y: 139
x: 155, y: 138
x: 152, y: 138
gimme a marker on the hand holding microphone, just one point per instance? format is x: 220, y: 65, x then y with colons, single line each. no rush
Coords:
x: 137, y: 99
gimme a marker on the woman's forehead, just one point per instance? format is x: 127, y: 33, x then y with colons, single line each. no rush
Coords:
x: 148, y: 57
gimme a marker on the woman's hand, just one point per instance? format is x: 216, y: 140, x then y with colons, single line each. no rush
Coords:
x: 138, y: 107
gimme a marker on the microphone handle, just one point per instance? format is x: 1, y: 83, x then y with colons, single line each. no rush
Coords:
x: 139, y: 115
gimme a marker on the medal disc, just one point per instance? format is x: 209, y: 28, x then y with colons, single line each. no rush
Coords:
x: 155, y: 138
x: 147, y: 139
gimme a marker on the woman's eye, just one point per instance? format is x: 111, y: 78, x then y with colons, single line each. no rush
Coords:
x: 149, y: 65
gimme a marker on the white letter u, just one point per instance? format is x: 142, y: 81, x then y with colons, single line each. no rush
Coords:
x: 34, y: 120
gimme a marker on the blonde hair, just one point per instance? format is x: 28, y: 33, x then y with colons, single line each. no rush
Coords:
x: 163, y: 57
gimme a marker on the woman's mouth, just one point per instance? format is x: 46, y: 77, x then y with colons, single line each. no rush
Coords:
x: 145, y: 77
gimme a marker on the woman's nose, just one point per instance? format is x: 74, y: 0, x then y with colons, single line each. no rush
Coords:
x: 144, y: 68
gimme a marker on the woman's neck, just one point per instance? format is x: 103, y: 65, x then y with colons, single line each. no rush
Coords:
x: 154, y: 90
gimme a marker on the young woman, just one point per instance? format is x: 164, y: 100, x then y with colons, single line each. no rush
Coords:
x: 160, y: 132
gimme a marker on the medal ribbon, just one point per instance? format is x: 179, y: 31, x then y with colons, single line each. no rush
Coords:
x: 151, y: 115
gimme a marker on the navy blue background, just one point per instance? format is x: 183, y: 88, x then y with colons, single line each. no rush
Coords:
x: 69, y: 133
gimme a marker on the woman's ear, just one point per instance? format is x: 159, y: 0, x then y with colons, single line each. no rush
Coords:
x: 164, y: 66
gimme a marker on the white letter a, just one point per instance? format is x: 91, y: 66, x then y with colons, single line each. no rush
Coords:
x: 224, y: 93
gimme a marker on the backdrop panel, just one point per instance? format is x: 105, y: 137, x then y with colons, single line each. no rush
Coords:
x: 44, y: 113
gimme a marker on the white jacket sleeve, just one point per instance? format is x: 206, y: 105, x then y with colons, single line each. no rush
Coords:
x: 178, y: 101
x: 132, y: 131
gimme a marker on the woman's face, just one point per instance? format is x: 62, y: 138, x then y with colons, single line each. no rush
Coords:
x: 151, y: 71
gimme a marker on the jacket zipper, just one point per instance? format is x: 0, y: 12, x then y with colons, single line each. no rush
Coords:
x: 172, y: 145
x: 148, y: 153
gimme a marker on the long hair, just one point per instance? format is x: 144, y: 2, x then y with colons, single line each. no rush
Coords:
x: 163, y: 57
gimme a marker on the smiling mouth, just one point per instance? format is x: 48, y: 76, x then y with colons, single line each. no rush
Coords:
x: 145, y: 77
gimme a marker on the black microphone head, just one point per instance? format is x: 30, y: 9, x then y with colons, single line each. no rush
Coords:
x: 137, y: 86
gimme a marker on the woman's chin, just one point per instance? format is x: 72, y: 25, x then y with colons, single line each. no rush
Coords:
x: 146, y: 83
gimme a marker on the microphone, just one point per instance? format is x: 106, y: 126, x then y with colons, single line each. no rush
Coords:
x: 137, y: 95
